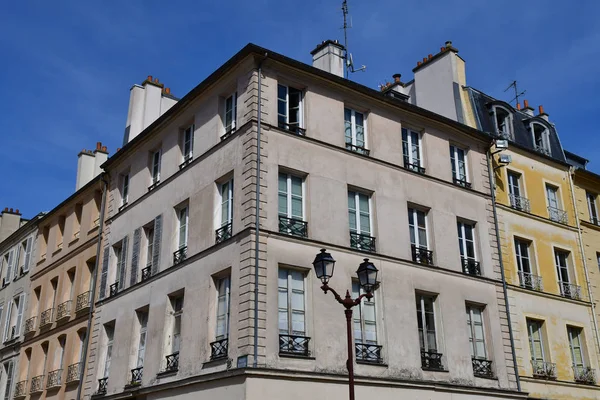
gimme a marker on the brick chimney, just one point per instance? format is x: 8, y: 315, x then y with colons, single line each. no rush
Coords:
x: 10, y: 221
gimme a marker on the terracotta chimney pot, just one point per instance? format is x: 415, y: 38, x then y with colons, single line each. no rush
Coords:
x: 396, y: 78
x: 541, y: 109
x: 518, y: 106
x: 526, y: 103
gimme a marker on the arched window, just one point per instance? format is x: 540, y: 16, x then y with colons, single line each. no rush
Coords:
x: 541, y: 138
x: 503, y: 122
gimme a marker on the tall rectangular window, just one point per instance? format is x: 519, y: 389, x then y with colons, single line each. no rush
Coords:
x: 291, y: 196
x: 289, y: 108
x: 522, y: 252
x: 183, y: 227
x: 226, y: 202
x: 188, y: 143
x: 355, y: 131
x: 466, y: 240
x: 359, y: 212
x: 124, y: 189
x: 9, y: 371
x: 458, y: 160
x: 121, y: 259
x: 426, y: 323
x: 552, y: 196
x: 417, y: 226
x: 155, y: 167
x: 230, y: 113
x: 109, y: 331
x: 593, y: 210
x: 536, y: 340
x: 365, y: 323
x: 177, y: 304
x: 476, y: 332
x: 411, y: 150
x: 576, y: 346
x: 28, y: 248
x: 149, y: 245
x: 141, y: 350
x: 562, y: 266
x: 223, y: 304
x: 291, y: 303
x: 515, y: 193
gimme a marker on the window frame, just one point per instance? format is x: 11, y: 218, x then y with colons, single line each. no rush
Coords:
x: 454, y: 159
x: 109, y: 345
x: 353, y: 130
x: 286, y: 101
x: 408, y: 133
x: 155, y: 167
x: 420, y: 297
x: 414, y: 211
x: 592, y: 207
x: 507, y: 121
x: 289, y: 195
x: 177, y: 315
x: 357, y: 212
x: 184, y: 225
x: 229, y: 184
x: 461, y: 227
x: 519, y: 256
x: 289, y: 307
x: 579, y: 335
x: 545, y: 137
x: 143, y: 333
x: 227, y: 311
x: 472, y: 326
x: 185, y: 141
x: 229, y: 128
x: 560, y: 268
x: 361, y: 316
x: 530, y: 322
x: 124, y: 189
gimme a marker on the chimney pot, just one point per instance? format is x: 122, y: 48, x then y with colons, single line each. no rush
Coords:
x: 11, y: 210
x: 118, y: 148
x: 104, y: 149
x: 168, y: 90
x: 419, y: 63
x: 396, y: 78
x: 424, y: 59
x: 448, y: 43
x: 17, y: 211
x: 155, y: 80
x: 518, y: 106
x: 541, y: 109
x: 149, y: 78
x: 442, y: 49
x: 98, y: 145
x: 429, y: 56
x: 526, y: 103
x: 5, y: 209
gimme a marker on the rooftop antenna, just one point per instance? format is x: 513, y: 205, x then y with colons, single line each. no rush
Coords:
x: 517, y: 93
x: 348, y: 55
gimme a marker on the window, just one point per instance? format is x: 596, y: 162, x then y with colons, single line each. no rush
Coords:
x: 567, y: 289
x: 503, y: 121
x: 292, y: 328
x: 417, y: 226
x: 541, y: 138
x: 536, y: 340
x: 9, y: 371
x: 356, y: 132
x: 230, y: 113
x: 525, y: 266
x: 359, y: 217
x: 466, y: 244
x: 365, y: 328
x: 60, y: 231
x: 289, y: 108
x: 555, y: 213
x: 121, y: 256
x: 291, y: 205
x: 476, y: 332
x: 77, y: 220
x: 183, y: 227
x: 155, y: 168
x: 109, y: 331
x: 430, y: 358
x: 576, y: 346
x: 458, y: 159
x: 411, y: 150
x: 177, y: 304
x: 517, y: 201
x: 27, y: 247
x: 9, y: 261
x: 141, y: 350
x: 188, y: 144
x: 224, y: 226
x: 124, y: 189
x: 14, y: 318
x: 552, y: 196
x: 223, y: 286
x: 591, y: 200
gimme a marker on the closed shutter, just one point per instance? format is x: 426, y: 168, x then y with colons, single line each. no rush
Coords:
x: 28, y: 250
x: 135, y: 256
x: 20, y: 315
x: 123, y: 262
x: 156, y: 244
x: 104, y: 276
x: 7, y: 322
x: 16, y: 262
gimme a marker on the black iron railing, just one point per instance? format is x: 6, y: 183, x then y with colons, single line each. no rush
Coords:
x: 528, y: 280
x: 228, y: 134
x: 368, y: 353
x: 543, y: 369
x: 218, y: 349
x: 471, y: 266
x: 223, y: 233
x: 180, y: 255
x: 482, y: 368
x: 114, y: 289
x: 358, y: 149
x: 585, y: 375
x: 431, y: 360
x: 21, y: 389
x: 37, y: 384
x: 102, y: 385
x: 146, y: 273
x: 294, y: 345
x: 362, y: 242
x: 462, y: 182
x: 422, y: 255
x: 293, y: 128
x: 74, y: 372
x: 413, y: 167
x: 136, y: 376
x: 558, y: 215
x: 292, y: 226
x: 520, y: 203
x: 172, y: 362
x: 54, y: 379
x: 63, y: 310
x: 569, y: 290
x: 83, y: 301
x: 46, y: 317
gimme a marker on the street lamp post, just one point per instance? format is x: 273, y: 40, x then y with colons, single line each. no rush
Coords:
x: 367, y: 276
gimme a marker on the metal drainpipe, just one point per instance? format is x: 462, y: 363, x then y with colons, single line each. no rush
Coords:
x: 93, y: 289
x: 257, y: 213
x: 504, y: 289
x: 581, y: 248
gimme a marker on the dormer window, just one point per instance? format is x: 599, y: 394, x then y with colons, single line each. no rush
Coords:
x: 503, y: 121
x: 541, y: 138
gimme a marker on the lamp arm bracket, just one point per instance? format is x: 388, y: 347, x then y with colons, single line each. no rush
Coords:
x: 326, y: 288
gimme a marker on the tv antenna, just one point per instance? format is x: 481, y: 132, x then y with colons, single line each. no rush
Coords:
x: 348, y: 55
x: 517, y: 93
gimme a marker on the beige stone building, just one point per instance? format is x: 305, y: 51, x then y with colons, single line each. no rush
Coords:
x: 197, y: 300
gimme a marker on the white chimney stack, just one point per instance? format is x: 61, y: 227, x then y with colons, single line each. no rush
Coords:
x: 329, y: 56
x: 88, y: 164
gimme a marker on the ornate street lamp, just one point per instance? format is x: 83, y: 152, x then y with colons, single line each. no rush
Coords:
x: 367, y: 278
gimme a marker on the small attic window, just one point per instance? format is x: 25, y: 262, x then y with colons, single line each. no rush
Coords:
x: 503, y: 121
x: 541, y: 138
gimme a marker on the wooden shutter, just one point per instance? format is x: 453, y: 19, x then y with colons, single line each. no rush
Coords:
x: 123, y: 262
x: 135, y: 256
x: 156, y: 244
x: 20, y: 315
x: 7, y: 322
x: 11, y: 259
x: 104, y: 276
x: 16, y: 262
x: 28, y: 250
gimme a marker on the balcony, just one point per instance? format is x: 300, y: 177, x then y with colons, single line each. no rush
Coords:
x: 113, y: 289
x: 430, y: 360
x: 558, y: 215
x: 293, y: 128
x: 172, y: 362
x: 519, y: 203
x: 146, y: 273
x: 46, y: 317
x: 29, y: 326
x: 37, y: 384
x: 218, y: 349
x: 462, y: 182
x: 180, y: 255
x: 543, y: 369
x: 358, y: 149
x: 569, y: 290
x: 292, y: 226
x: 74, y: 372
x: 20, y: 389
x: 54, y: 379
x: 136, y: 376
x: 413, y: 167
x: 422, y: 255
x: 63, y: 311
x: 102, y: 385
x: 223, y: 233
x: 362, y: 242
x: 482, y: 368
x: 370, y: 353
x: 471, y: 266
x: 585, y: 375
x: 294, y: 345
x: 82, y: 302
x: 529, y: 281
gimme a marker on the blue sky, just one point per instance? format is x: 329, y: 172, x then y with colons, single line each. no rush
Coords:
x: 66, y: 66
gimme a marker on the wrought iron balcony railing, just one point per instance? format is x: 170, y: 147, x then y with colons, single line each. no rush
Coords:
x: 294, y: 345
x: 422, y: 255
x: 102, y: 385
x: 83, y: 301
x: 146, y: 273
x: 172, y: 362
x: 223, y: 233
x: 46, y: 317
x: 471, y: 266
x: 542, y: 149
x: 414, y: 167
x: 20, y: 389
x: 585, y: 375
x: 520, y: 203
x: 528, y: 280
x: 482, y: 368
x: 136, y: 376
x: 358, y: 149
x: 558, y: 215
x: 292, y: 226
x: 462, y: 181
x: 37, y: 384
x: 294, y: 128
x: 431, y: 360
x: 362, y: 242
x: 370, y: 353
x: 74, y: 372
x: 569, y: 290
x: 113, y: 289
x: 218, y: 349
x: 54, y: 379
x: 63, y: 311
x: 543, y: 369
x: 180, y: 255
